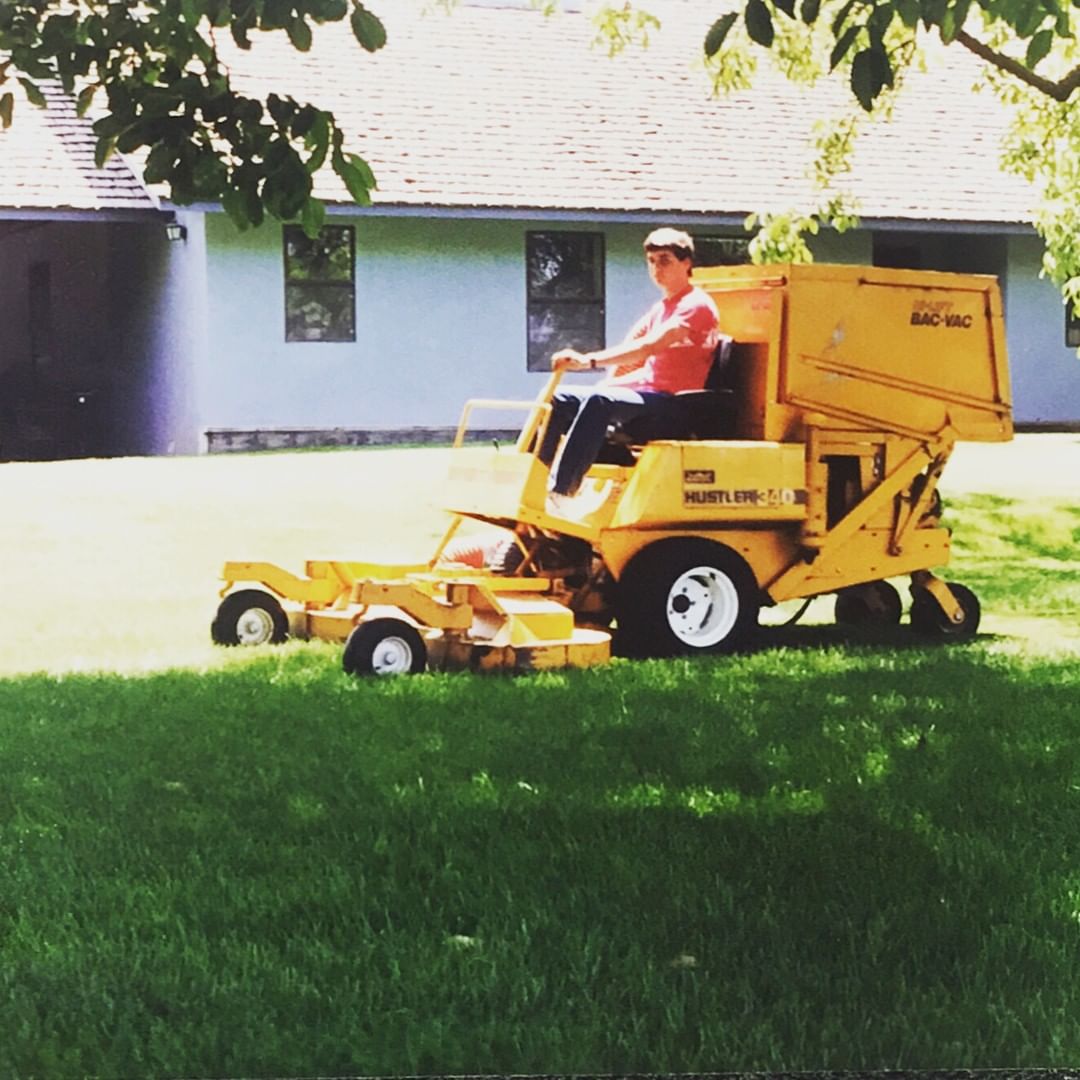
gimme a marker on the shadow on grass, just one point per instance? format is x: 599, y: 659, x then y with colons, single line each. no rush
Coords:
x: 804, y: 858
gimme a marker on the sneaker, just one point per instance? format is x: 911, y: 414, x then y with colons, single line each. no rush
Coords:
x: 559, y: 505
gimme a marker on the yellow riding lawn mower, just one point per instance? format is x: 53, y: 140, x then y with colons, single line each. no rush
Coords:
x: 808, y: 466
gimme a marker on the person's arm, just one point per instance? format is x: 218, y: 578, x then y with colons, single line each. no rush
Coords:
x: 663, y: 336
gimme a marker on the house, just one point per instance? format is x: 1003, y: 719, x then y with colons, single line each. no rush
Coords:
x: 519, y: 168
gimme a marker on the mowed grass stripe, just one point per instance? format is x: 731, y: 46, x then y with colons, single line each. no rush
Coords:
x: 816, y: 858
x: 831, y: 853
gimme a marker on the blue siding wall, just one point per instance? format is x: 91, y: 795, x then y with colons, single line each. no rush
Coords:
x: 1045, y: 372
x: 441, y: 318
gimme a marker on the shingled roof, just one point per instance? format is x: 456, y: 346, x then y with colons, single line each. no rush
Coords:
x: 502, y: 107
x: 47, y: 163
x: 499, y: 108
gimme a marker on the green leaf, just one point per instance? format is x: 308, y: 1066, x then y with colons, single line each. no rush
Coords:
x: 276, y: 14
x: 7, y: 105
x: 843, y: 45
x: 1029, y: 20
x: 1038, y: 47
x: 356, y: 175
x: 933, y: 12
x: 159, y: 163
x: 759, y: 23
x: 85, y: 99
x: 810, y: 11
x: 312, y: 217
x: 718, y: 32
x: 842, y: 16
x: 786, y: 6
x: 104, y: 149
x: 870, y: 72
x: 300, y: 34
x: 34, y: 94
x: 908, y: 10
x: 368, y: 29
x: 235, y: 205
x: 318, y: 141
x: 193, y: 11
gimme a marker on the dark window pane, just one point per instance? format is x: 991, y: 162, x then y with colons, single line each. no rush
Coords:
x: 565, y: 266
x: 329, y: 257
x: 564, y: 277
x: 563, y: 326
x: 721, y: 250
x: 1072, y: 328
x: 319, y: 313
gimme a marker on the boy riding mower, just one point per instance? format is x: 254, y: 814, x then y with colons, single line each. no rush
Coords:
x: 810, y: 466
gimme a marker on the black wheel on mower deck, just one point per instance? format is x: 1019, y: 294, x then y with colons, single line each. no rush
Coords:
x: 685, y: 596
x: 928, y: 618
x: 384, y: 647
x: 877, y: 603
x: 249, y: 617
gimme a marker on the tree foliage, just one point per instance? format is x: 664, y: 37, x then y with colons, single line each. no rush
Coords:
x: 875, y: 38
x: 155, y: 72
x: 1033, y: 66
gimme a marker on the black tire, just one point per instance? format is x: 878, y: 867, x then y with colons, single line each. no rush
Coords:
x: 249, y: 617
x: 686, y: 596
x: 875, y: 604
x: 384, y: 647
x: 928, y: 618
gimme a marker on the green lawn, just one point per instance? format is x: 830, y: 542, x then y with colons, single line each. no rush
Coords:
x: 827, y: 854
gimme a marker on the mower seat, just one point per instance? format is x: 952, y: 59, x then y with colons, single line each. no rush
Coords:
x: 690, y: 414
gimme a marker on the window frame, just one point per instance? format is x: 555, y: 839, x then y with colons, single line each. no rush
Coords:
x: 599, y: 303
x: 331, y: 284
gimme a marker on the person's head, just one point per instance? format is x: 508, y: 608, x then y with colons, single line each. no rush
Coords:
x: 670, y: 255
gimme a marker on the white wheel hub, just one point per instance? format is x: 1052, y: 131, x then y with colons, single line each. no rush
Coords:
x: 255, y: 627
x: 702, y: 606
x: 393, y: 655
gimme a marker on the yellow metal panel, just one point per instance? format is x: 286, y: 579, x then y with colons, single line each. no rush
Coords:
x: 285, y: 584
x: 330, y: 625
x: 418, y: 604
x: 905, y: 351
x: 865, y: 557
x: 677, y: 484
x: 534, y: 619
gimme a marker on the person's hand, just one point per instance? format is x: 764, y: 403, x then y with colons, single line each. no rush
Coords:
x: 570, y: 360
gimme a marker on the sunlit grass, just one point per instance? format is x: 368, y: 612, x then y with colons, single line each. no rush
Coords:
x: 827, y: 854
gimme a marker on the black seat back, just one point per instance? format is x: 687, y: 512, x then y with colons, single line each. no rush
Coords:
x: 691, y: 414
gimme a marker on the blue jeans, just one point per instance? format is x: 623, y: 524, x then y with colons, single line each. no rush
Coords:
x: 584, y: 415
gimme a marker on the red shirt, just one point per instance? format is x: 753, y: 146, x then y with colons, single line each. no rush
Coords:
x: 684, y: 365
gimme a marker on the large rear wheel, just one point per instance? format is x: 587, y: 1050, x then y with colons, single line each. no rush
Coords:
x: 685, y: 596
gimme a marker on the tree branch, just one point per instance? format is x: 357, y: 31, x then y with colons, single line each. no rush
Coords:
x: 1061, y: 90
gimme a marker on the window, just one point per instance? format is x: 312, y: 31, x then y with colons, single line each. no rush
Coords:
x: 565, y: 293
x: 897, y: 254
x: 721, y: 250
x: 320, y: 284
x: 1072, y: 327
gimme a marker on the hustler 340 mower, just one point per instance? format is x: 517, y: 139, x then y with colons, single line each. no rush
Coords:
x: 809, y: 466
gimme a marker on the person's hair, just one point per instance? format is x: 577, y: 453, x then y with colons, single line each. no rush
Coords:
x: 680, y: 244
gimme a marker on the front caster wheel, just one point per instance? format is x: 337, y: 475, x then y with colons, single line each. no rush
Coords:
x: 877, y: 603
x: 928, y: 618
x: 249, y: 617
x: 686, y: 596
x: 384, y: 647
